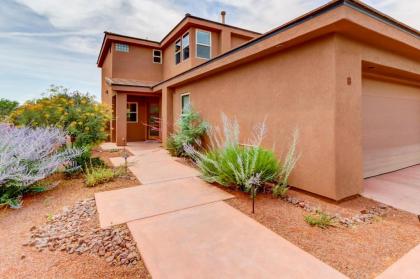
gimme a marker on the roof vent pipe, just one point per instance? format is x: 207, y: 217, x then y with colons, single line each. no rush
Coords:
x: 223, y: 14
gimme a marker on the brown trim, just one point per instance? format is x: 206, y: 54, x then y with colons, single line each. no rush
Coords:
x: 130, y: 37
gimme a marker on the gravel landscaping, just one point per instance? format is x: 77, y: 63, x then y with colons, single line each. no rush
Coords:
x: 70, y: 231
x: 54, y: 212
x: 368, y: 236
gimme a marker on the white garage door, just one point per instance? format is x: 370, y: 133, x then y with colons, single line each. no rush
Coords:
x: 391, y: 126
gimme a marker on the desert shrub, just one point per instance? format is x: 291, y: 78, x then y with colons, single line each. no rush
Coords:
x: 27, y: 156
x: 77, y: 113
x: 99, y: 175
x: 6, y: 108
x: 191, y: 129
x: 83, y: 161
x: 230, y: 163
x: 237, y: 165
x: 320, y: 219
x: 280, y: 190
x: 288, y: 164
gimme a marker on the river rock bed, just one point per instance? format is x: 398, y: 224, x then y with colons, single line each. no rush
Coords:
x: 75, y: 230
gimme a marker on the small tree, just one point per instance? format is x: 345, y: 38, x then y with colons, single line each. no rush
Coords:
x: 77, y: 113
x: 6, y: 108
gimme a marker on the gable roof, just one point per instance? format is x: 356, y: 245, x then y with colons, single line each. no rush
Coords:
x: 354, y: 4
x: 188, y: 18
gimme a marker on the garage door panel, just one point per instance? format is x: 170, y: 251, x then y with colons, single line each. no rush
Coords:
x: 391, y: 126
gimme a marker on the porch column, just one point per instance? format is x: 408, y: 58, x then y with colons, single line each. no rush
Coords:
x: 121, y: 119
x: 167, y: 113
x: 112, y: 130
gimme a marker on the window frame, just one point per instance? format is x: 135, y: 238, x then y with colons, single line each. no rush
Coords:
x: 183, y: 47
x: 197, y: 43
x: 189, y: 98
x: 179, y: 51
x: 129, y: 112
x: 121, y: 49
x: 160, y: 56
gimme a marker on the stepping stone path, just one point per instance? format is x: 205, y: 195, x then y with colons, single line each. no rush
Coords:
x: 184, y: 229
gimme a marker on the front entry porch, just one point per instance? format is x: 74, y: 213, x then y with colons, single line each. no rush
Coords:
x: 135, y: 117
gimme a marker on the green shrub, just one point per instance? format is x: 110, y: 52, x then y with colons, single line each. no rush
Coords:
x: 83, y: 162
x: 190, y: 131
x: 320, y: 219
x: 99, y: 175
x: 230, y: 163
x: 6, y: 108
x: 288, y: 164
x: 280, y: 190
x: 237, y: 165
x: 77, y: 113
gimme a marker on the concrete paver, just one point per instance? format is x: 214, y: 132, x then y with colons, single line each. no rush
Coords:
x: 218, y: 241
x: 400, y: 189
x: 123, y: 205
x: 407, y: 267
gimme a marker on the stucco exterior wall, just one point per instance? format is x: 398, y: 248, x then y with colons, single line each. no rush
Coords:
x: 106, y: 72
x: 293, y: 89
x: 135, y: 64
x: 237, y: 40
x: 316, y: 87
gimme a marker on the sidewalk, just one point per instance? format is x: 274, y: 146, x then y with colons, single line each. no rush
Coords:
x: 183, y: 228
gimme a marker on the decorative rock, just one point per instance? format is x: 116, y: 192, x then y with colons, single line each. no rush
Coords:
x: 68, y: 231
x: 367, y: 216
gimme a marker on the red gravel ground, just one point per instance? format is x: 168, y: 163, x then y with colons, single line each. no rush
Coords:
x: 363, y: 251
x: 18, y: 261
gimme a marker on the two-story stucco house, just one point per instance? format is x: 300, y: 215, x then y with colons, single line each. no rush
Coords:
x: 346, y: 75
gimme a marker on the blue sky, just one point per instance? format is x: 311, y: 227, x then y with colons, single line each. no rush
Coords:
x: 45, y: 42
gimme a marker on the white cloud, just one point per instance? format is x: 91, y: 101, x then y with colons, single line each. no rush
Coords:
x: 57, y: 41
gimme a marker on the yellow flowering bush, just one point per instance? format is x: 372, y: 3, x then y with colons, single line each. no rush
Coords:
x: 84, y: 119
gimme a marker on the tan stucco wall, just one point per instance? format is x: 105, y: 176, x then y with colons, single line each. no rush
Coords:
x: 106, y: 71
x: 136, y: 64
x: 294, y: 89
x: 316, y: 87
x: 237, y: 40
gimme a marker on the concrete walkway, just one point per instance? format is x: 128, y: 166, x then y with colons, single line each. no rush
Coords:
x: 408, y: 267
x: 184, y: 230
x: 400, y: 189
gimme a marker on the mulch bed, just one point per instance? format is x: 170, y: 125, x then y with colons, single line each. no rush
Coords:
x: 361, y: 251
x: 25, y: 261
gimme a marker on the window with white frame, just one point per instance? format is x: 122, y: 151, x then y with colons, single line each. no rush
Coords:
x: 186, y: 46
x: 203, y: 44
x: 132, y: 112
x: 121, y: 47
x: 178, y: 51
x: 185, y: 102
x: 157, y: 56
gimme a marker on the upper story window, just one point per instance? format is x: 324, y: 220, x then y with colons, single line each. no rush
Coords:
x: 203, y: 44
x: 186, y: 46
x: 157, y: 56
x: 121, y: 47
x: 178, y: 51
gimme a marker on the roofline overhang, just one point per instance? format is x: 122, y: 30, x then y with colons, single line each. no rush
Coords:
x: 183, y: 22
x: 354, y: 4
